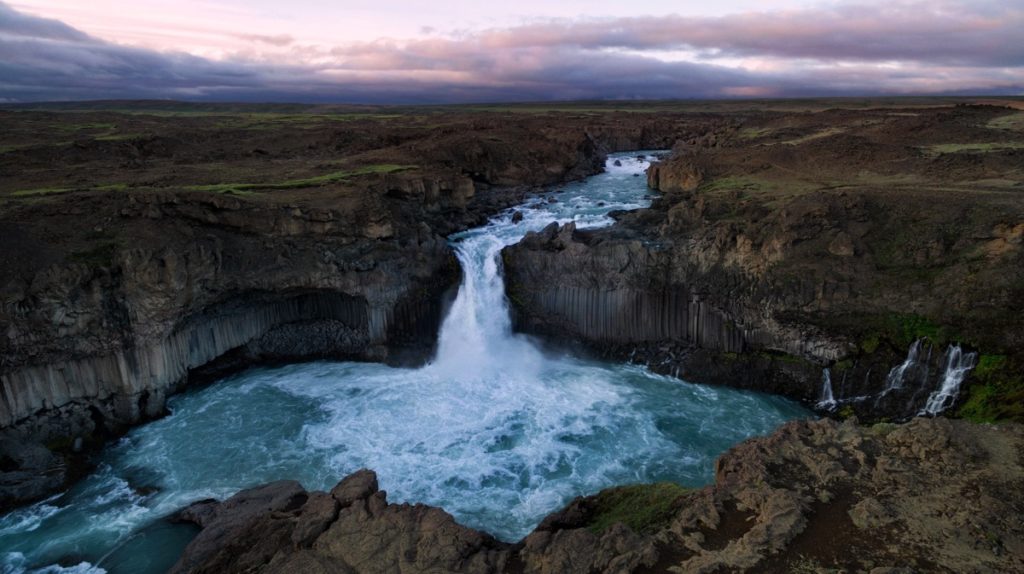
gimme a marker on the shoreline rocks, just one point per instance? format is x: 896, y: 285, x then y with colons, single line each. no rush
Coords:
x: 932, y: 493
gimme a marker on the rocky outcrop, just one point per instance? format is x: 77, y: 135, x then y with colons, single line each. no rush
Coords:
x: 683, y: 171
x: 929, y: 495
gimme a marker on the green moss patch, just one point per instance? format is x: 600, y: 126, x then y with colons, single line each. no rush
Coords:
x: 316, y: 181
x: 997, y: 391
x: 1007, y: 122
x: 644, y: 508
x: 904, y: 329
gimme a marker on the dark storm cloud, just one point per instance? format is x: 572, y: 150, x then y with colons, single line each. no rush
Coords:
x: 44, y: 59
x: 14, y: 23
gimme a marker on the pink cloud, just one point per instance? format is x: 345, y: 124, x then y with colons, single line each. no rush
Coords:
x: 938, y: 47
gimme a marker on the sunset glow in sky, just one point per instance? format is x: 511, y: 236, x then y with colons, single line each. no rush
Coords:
x: 457, y: 51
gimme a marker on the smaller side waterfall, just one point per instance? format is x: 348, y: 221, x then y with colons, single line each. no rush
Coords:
x: 828, y: 400
x: 897, y: 375
x: 956, y: 365
x: 915, y: 387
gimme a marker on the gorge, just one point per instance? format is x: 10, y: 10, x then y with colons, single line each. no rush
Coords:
x: 492, y: 429
x: 723, y: 265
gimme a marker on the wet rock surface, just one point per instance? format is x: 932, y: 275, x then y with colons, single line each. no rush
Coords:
x: 929, y: 495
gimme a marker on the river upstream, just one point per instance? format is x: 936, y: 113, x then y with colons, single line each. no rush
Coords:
x: 494, y: 430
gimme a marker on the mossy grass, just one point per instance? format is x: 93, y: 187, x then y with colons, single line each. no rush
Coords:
x: 997, y: 391
x: 905, y: 328
x: 71, y: 127
x: 754, y: 133
x: 846, y: 412
x: 1013, y: 121
x: 844, y: 365
x: 644, y: 508
x: 901, y: 330
x: 117, y: 137
x: 733, y: 183
x: 781, y: 357
x: 828, y: 132
x: 316, y: 181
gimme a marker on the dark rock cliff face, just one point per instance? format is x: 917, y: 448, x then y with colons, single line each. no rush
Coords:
x: 208, y: 284
x: 625, y: 297
x: 926, y: 496
x: 742, y: 273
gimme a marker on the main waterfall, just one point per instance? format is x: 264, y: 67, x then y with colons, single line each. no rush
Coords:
x: 476, y: 338
x: 494, y: 430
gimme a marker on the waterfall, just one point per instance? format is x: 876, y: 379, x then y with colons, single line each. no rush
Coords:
x: 492, y: 431
x: 956, y: 366
x: 895, y: 378
x: 828, y: 401
x: 476, y: 337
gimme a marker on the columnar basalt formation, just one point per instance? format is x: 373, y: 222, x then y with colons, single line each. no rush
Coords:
x: 92, y: 348
x: 766, y: 260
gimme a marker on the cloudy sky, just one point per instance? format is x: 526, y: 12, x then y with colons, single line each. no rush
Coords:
x: 399, y: 51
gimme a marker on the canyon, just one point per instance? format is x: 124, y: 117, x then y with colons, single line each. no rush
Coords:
x: 786, y: 251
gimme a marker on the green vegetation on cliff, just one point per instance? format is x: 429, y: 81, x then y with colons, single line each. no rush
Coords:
x: 325, y: 179
x: 997, y: 393
x: 644, y: 508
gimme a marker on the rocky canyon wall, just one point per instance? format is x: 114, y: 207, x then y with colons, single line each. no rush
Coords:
x: 743, y: 274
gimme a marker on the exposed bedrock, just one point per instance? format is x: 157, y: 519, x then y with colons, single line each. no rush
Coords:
x: 624, y: 296
x: 729, y: 279
x: 931, y: 495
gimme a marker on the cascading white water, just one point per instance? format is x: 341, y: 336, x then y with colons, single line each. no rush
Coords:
x: 493, y: 430
x: 896, y: 376
x: 828, y: 400
x: 956, y: 365
x: 476, y: 338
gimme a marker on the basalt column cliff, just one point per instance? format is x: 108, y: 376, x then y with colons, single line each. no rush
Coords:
x: 841, y: 259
